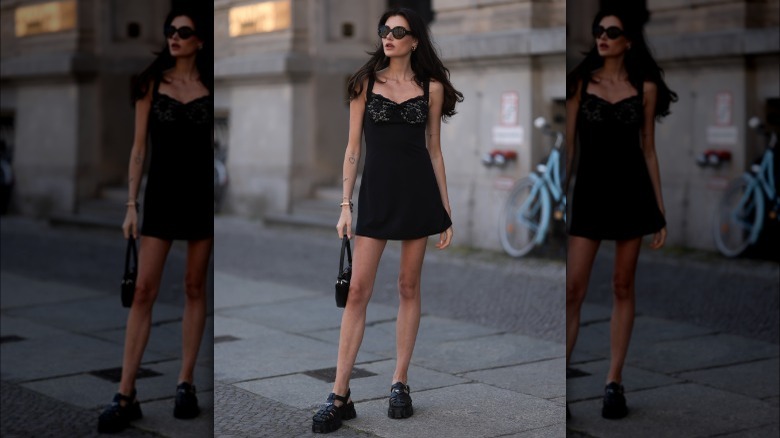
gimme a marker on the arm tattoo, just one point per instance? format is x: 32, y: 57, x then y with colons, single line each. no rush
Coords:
x: 345, y: 179
x: 138, y: 159
x: 351, y: 160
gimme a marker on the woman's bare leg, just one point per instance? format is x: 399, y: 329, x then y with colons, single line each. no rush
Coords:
x: 194, y: 320
x: 151, y: 260
x: 581, y: 253
x: 408, y: 322
x: 623, y: 304
x: 368, y: 252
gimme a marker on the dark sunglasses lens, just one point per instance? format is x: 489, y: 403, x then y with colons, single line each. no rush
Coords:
x: 186, y: 32
x: 384, y: 31
x: 614, y: 33
x: 399, y: 32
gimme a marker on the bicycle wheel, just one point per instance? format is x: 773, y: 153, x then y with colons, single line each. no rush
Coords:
x: 739, y: 216
x: 525, y: 217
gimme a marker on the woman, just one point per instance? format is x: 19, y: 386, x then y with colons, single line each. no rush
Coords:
x: 173, y: 104
x: 614, y: 98
x: 398, y: 98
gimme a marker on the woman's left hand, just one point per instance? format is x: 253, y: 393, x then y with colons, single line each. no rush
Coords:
x: 658, y: 239
x: 445, y: 239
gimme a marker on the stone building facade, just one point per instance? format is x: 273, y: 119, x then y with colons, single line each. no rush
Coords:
x: 723, y: 60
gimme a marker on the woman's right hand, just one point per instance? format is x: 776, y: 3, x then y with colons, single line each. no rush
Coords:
x: 130, y: 225
x: 345, y: 220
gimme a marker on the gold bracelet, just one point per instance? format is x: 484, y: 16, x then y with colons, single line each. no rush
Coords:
x: 344, y: 204
x: 131, y: 203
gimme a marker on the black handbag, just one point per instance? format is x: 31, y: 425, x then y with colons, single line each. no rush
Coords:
x: 345, y: 274
x: 131, y: 272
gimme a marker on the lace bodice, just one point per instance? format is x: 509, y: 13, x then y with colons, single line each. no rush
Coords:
x: 383, y: 110
x: 167, y: 109
x: 626, y: 111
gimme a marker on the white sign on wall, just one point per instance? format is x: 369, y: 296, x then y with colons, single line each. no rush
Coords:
x: 508, y: 135
x: 722, y: 135
x: 724, y: 107
x: 510, y: 106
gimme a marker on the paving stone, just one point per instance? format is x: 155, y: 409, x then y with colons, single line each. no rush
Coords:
x: 235, y: 291
x: 492, y: 351
x: 20, y: 291
x: 593, y: 338
x: 28, y: 413
x: 769, y: 430
x: 274, y: 353
x: 304, y: 315
x: 594, y: 313
x: 700, y: 352
x: 380, y: 338
x: 760, y: 379
x: 554, y: 431
x: 592, y: 385
x: 158, y: 418
x: 240, y: 413
x: 90, y: 314
x: 540, y: 379
x: 468, y: 410
x: 305, y: 392
x: 32, y: 359
x: 675, y: 410
x: 25, y: 328
x: 165, y: 339
x: 91, y: 392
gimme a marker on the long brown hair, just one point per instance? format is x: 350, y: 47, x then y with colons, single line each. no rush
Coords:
x: 426, y: 64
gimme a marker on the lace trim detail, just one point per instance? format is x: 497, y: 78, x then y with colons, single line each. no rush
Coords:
x: 627, y: 111
x: 168, y: 109
x: 383, y: 110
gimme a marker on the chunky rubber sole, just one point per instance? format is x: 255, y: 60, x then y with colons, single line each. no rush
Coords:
x: 347, y: 413
x: 614, y: 413
x: 185, y: 414
x: 117, y: 426
x: 400, y: 412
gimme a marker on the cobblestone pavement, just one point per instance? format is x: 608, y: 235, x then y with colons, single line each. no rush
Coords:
x: 29, y: 413
x: 240, y: 413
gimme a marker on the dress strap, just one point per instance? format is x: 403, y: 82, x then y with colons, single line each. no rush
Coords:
x: 426, y: 88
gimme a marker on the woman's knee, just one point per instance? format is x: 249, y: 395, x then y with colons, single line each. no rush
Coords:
x: 575, y: 294
x: 145, y: 294
x: 194, y: 287
x: 359, y: 293
x: 622, y: 287
x: 408, y: 287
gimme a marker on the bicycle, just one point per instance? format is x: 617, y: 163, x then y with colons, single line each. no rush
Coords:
x: 740, y: 215
x: 525, y: 219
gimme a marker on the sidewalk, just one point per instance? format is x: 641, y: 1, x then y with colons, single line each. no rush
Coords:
x: 681, y: 380
x: 274, y: 345
x: 61, y: 348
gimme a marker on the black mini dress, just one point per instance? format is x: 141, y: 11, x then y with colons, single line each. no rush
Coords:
x: 613, y: 196
x: 179, y: 196
x: 399, y: 197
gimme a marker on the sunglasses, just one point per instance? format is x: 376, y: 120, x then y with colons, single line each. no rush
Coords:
x: 613, y: 32
x: 398, y: 32
x: 184, y: 32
